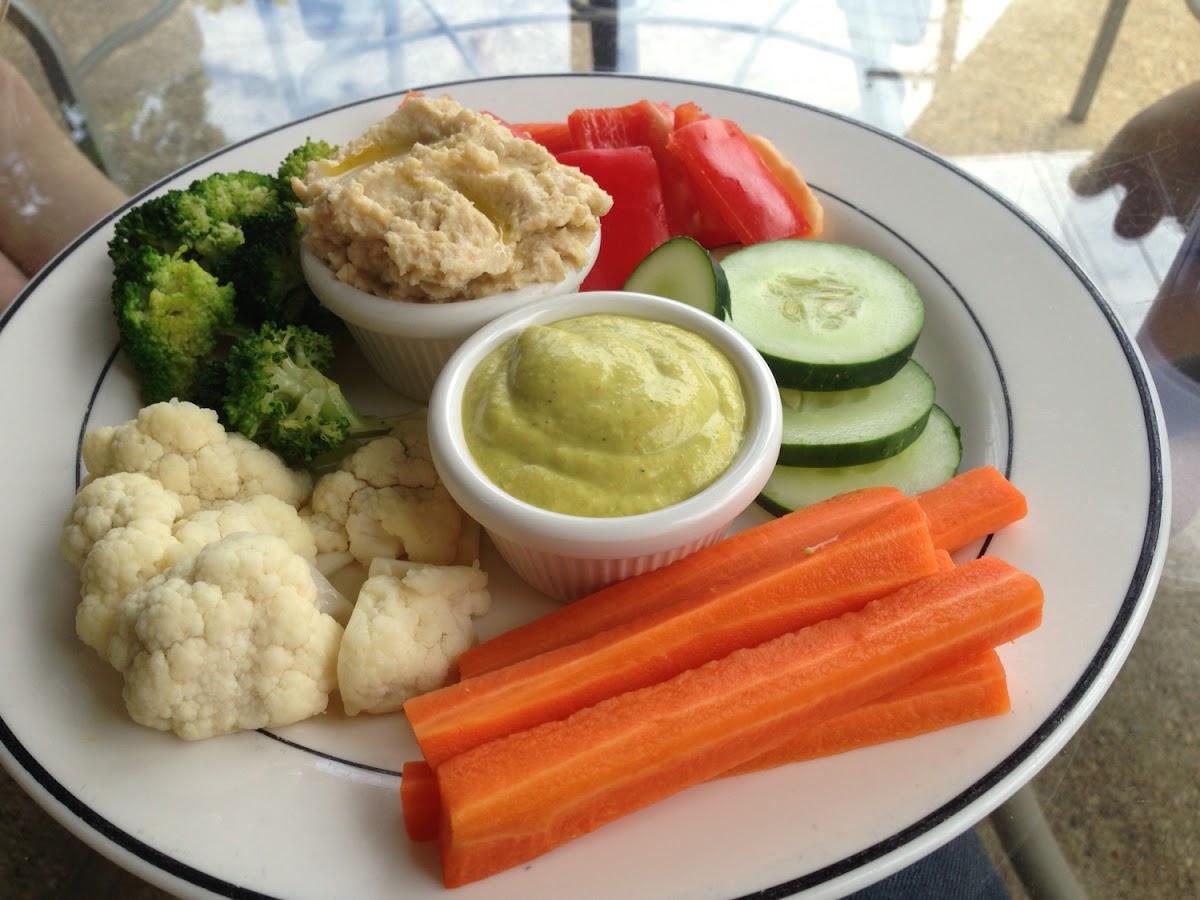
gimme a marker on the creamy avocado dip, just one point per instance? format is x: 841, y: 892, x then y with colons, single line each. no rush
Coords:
x: 604, y: 415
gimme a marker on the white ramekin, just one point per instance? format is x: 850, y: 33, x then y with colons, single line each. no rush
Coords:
x: 407, y: 344
x: 568, y: 556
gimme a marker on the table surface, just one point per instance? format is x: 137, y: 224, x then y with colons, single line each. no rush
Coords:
x: 987, y: 83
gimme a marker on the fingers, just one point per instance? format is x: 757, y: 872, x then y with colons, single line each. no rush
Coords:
x: 12, y: 280
x: 1095, y: 176
x: 1142, y: 207
x: 1140, y: 211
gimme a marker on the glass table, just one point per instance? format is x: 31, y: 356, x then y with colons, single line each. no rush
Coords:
x: 1015, y: 94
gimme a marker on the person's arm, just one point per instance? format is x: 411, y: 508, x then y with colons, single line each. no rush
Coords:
x: 49, y: 191
x: 1156, y: 158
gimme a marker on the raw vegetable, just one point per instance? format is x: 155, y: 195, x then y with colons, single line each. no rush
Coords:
x: 868, y: 560
x: 856, y: 426
x: 747, y: 553
x: 187, y: 450
x: 978, y: 502
x: 385, y: 501
x: 681, y: 269
x: 960, y: 693
x: 729, y: 178
x: 971, y: 505
x: 931, y: 459
x: 202, y: 222
x: 713, y: 180
x: 649, y: 124
x: 616, y: 126
x: 171, y: 315
x: 554, y: 136
x: 825, y: 316
x: 128, y: 556
x: 792, y: 181
x: 689, y: 112
x: 408, y: 627
x: 637, y: 221
x: 230, y: 639
x: 274, y: 390
x: 510, y: 800
x: 420, y: 801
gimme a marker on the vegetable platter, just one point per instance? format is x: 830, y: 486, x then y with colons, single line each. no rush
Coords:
x: 1029, y: 362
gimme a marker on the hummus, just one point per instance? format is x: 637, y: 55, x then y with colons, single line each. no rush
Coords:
x: 604, y: 415
x: 437, y: 203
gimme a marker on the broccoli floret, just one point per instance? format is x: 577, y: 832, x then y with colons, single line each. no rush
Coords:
x: 234, y: 197
x: 295, y: 164
x: 265, y: 271
x: 210, y: 386
x: 171, y: 315
x: 202, y: 222
x: 278, y: 395
x: 175, y: 223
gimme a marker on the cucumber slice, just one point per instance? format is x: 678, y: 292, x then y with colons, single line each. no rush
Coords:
x: 825, y: 316
x: 858, y: 426
x: 930, y: 460
x: 681, y: 269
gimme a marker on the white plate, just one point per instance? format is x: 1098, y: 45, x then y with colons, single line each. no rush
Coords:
x: 1028, y: 359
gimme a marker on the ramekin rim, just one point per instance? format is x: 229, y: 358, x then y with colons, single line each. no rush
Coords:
x: 427, y: 320
x: 619, y: 536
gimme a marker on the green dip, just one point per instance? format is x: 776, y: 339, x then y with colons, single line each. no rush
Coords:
x: 604, y: 415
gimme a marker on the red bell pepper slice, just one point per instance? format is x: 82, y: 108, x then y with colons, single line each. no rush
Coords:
x: 650, y: 124
x: 730, y: 179
x: 687, y: 113
x: 684, y: 214
x: 554, y: 136
x: 637, y: 221
x: 616, y: 126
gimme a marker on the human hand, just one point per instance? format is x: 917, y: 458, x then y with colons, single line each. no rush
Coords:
x: 1156, y: 158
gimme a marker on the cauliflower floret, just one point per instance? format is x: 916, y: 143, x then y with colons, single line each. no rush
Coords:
x: 264, y: 514
x: 127, y: 557
x: 409, y: 627
x: 386, y: 501
x: 120, y: 562
x: 225, y: 640
x: 112, y: 501
x: 188, y: 451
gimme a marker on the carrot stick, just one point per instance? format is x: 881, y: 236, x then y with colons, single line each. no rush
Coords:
x: 746, y: 553
x: 944, y: 559
x: 867, y: 560
x: 970, y: 506
x: 510, y: 800
x: 420, y: 801
x: 961, y: 693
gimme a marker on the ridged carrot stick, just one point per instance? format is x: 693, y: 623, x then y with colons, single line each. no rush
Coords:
x: 868, y: 560
x: 746, y: 553
x: 968, y: 507
x: 420, y: 801
x: 510, y: 800
x: 961, y: 693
